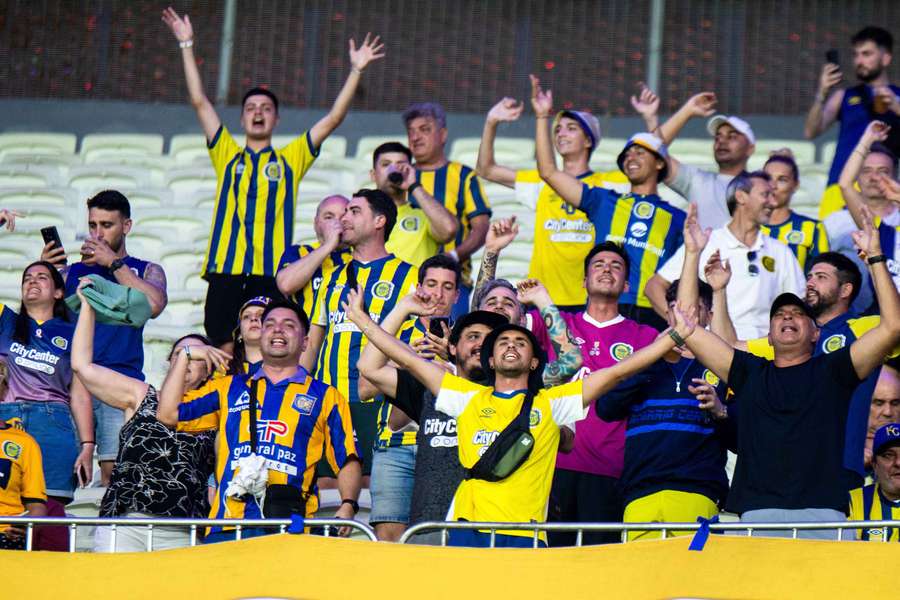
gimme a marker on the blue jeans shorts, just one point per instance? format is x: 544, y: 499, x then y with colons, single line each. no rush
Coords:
x: 107, y: 423
x: 392, y: 484
x: 52, y: 426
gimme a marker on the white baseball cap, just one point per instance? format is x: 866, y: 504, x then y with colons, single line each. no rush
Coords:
x: 738, y: 123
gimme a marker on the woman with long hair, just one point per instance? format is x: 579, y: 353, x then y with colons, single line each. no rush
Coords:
x: 158, y: 471
x: 247, y: 335
x: 40, y: 391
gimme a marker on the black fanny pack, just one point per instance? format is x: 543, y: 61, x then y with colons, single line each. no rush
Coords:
x: 509, y: 450
x: 281, y: 500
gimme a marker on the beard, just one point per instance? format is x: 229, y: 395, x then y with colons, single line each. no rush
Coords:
x: 819, y: 303
x: 868, y: 76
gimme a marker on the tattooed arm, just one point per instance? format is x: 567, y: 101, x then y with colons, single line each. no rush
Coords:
x: 500, y: 234
x: 153, y: 285
x: 568, y: 354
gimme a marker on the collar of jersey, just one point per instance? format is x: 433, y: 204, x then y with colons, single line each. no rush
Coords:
x: 366, y: 265
x: 508, y: 395
x: 614, y: 321
x: 733, y: 242
x: 839, y: 322
x: 791, y: 215
x: 252, y: 153
x: 885, y: 498
x: 298, y: 377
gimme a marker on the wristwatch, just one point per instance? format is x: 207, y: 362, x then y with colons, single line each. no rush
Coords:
x: 353, y: 504
x: 116, y: 264
x: 876, y: 259
x: 412, y: 188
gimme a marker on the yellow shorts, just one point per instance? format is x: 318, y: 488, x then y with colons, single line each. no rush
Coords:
x: 667, y: 506
x: 832, y: 201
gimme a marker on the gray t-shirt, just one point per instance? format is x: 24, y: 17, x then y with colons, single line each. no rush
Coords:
x: 707, y: 190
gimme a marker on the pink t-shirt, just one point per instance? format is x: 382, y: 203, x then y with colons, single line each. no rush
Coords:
x: 535, y: 324
x: 600, y: 445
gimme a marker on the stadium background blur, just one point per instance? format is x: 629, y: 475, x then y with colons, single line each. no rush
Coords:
x: 103, y: 80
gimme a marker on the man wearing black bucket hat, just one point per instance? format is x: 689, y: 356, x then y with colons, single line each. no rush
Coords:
x: 508, y: 431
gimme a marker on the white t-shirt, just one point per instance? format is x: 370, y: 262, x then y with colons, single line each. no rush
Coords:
x: 707, y: 190
x: 758, y: 275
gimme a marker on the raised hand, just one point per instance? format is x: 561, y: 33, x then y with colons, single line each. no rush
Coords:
x: 695, y: 237
x: 213, y: 357
x: 685, y: 320
x: 717, y: 272
x: 703, y: 104
x: 831, y: 76
x: 876, y: 131
x: 97, y: 252
x: 541, y: 100
x: 867, y: 241
x: 419, y: 303
x: 889, y: 187
x: 646, y: 103
x: 370, y: 50
x: 508, y: 109
x: 331, y: 233
x: 83, y: 282
x: 885, y: 97
x: 409, y: 175
x: 180, y: 26
x: 500, y: 234
x: 532, y: 291
x: 53, y: 254
x: 355, y: 310
x: 8, y: 218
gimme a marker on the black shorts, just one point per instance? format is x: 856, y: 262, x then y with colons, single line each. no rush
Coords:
x: 577, y: 497
x: 224, y: 298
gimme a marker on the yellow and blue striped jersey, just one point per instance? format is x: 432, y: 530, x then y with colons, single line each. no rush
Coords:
x: 649, y: 228
x: 563, y: 235
x: 411, y: 238
x: 384, y: 437
x: 256, y: 198
x: 869, y: 504
x: 384, y: 281
x: 805, y: 237
x: 298, y: 420
x: 481, y: 414
x: 459, y: 190
x: 306, y: 298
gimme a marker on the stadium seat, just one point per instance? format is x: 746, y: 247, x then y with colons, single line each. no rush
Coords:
x: 149, y: 198
x: 60, y: 144
x: 334, y: 148
x: 608, y: 149
x: 187, y: 181
x: 58, y: 163
x: 808, y: 196
x: 172, y: 224
x: 11, y: 295
x: 828, y: 153
x: 17, y: 253
x: 90, y: 179
x: 181, y: 263
x: 184, y: 310
x: 498, y: 194
x: 42, y: 197
x: 691, y: 150
x: 188, y: 148
x: 367, y: 144
x: 507, y: 151
x: 29, y: 175
x: 98, y: 147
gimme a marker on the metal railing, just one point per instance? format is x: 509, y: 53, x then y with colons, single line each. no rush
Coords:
x: 493, y: 528
x: 193, y: 525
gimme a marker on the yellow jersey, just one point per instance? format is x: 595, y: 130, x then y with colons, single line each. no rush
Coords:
x: 805, y: 237
x: 481, y: 414
x: 869, y: 504
x: 256, y: 199
x: 411, y: 238
x: 21, y: 470
x: 563, y: 235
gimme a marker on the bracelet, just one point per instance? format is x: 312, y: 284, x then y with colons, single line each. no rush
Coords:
x: 860, y: 152
x: 355, y: 70
x: 412, y: 188
x: 88, y: 442
x: 876, y: 259
x: 353, y: 504
x: 676, y: 337
x: 542, y: 117
x: 186, y: 44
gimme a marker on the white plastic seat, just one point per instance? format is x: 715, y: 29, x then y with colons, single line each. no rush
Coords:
x: 149, y: 198
x: 187, y: 149
x: 27, y: 142
x: 28, y: 175
x: 333, y: 149
x: 700, y: 147
x: 97, y: 147
x: 182, y: 264
x: 804, y: 152
x: 55, y: 163
x: 507, y: 151
x: 89, y: 179
x: 367, y: 144
x: 37, y: 197
x: 828, y: 153
x: 187, y: 181
x: 171, y: 223
x: 11, y: 295
x: 607, y: 150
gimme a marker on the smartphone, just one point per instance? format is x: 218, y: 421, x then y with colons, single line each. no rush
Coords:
x: 50, y: 234
x: 435, y: 326
x: 832, y: 57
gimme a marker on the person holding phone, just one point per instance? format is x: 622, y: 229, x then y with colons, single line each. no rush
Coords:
x: 873, y: 98
x: 35, y: 345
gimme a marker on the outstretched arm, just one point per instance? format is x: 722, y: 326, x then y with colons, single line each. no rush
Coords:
x: 172, y: 391
x: 506, y: 110
x: 567, y: 186
x: 599, y: 382
x: 425, y: 371
x: 877, y: 131
x: 568, y: 354
x: 699, y: 105
x: 500, y: 234
x: 184, y: 33
x: 370, y: 50
x: 646, y: 104
x: 869, y: 351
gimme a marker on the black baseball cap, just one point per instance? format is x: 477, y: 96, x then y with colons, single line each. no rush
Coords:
x: 476, y: 317
x: 789, y: 299
x: 536, y: 377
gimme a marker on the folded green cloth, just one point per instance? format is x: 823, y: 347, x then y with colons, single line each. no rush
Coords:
x: 114, y: 304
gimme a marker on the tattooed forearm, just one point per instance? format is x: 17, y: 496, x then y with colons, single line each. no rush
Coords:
x: 568, y: 354
x: 487, y: 272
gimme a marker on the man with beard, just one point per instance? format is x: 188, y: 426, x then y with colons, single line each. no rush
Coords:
x: 873, y: 98
x: 763, y: 267
x: 303, y: 266
x: 120, y: 348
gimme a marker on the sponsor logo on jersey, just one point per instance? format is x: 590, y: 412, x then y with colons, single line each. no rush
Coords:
x: 643, y: 210
x: 834, y: 342
x: 383, y: 289
x: 268, y: 429
x: 620, y: 351
x: 638, y: 229
x: 488, y: 412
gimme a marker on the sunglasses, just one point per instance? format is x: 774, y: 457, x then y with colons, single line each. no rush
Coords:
x: 752, y: 269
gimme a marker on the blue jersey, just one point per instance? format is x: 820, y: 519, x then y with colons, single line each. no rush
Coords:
x: 649, y: 228
x: 670, y: 444
x: 116, y: 347
x: 855, y: 116
x: 39, y: 370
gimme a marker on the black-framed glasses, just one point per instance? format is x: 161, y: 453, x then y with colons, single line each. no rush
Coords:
x: 753, y: 269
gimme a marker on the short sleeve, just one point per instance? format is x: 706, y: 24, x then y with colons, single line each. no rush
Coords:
x: 291, y: 255
x: 476, y: 201
x: 33, y: 486
x: 222, y: 148
x: 320, y: 317
x: 792, y: 279
x: 300, y: 154
x: 672, y: 269
x: 593, y: 198
x: 762, y: 348
x: 840, y: 367
x: 528, y: 187
x: 567, y: 402
x: 455, y: 394
x: 820, y: 241
x: 410, y: 395
x: 339, y: 430
x: 683, y: 181
x: 743, y: 367
x: 199, y: 409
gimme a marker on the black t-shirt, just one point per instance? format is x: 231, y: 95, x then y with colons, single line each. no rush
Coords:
x: 438, y: 472
x: 791, y: 426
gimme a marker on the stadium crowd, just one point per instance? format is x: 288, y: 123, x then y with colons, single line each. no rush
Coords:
x: 610, y: 385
